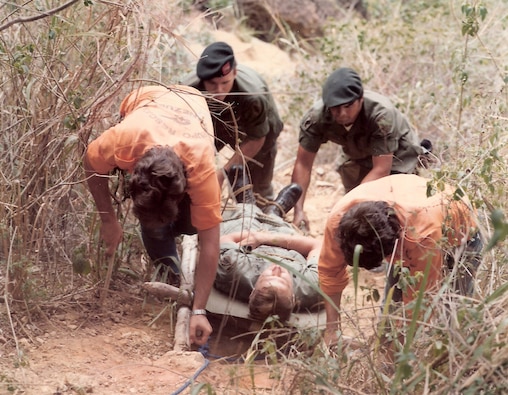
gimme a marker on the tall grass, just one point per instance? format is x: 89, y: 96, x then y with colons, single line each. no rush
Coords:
x: 444, y: 65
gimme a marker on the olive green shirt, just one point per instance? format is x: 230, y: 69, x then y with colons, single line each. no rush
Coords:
x: 239, y: 268
x: 379, y: 129
x: 253, y: 107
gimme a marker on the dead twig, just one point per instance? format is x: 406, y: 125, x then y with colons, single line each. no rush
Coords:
x: 37, y: 17
x: 107, y: 281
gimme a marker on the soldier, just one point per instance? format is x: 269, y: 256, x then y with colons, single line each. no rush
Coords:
x: 375, y: 137
x: 244, y: 114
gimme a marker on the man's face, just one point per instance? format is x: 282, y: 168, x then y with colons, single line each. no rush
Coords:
x: 221, y: 86
x: 277, y: 278
x: 346, y: 114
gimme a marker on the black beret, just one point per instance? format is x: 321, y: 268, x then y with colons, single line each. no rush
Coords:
x: 217, y: 60
x: 342, y: 86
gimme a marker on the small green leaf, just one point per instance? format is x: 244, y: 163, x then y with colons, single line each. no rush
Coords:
x: 500, y: 229
x: 375, y: 295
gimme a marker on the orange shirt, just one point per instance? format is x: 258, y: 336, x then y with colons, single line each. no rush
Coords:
x: 177, y: 117
x: 422, y: 218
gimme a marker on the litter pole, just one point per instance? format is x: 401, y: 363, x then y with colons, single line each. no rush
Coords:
x: 163, y: 290
x: 188, y: 267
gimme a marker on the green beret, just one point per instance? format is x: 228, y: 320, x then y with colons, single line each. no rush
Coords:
x: 217, y: 60
x: 342, y: 86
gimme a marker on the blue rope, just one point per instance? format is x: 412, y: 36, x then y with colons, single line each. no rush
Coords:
x: 192, y: 379
x: 205, y: 351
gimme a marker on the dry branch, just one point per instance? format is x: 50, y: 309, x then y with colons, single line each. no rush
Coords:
x: 37, y: 17
x: 107, y: 281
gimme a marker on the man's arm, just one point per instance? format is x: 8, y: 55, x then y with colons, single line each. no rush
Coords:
x: 206, y: 269
x: 301, y: 175
x: 111, y: 230
x: 381, y: 167
x: 249, y: 150
x: 304, y: 245
x: 332, y: 319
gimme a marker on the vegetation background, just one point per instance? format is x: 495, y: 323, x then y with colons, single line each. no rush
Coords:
x: 65, y: 68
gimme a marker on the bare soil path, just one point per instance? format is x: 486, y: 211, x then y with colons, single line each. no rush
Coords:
x: 75, y: 347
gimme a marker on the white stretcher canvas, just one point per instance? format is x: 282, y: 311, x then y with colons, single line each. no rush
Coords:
x: 220, y: 303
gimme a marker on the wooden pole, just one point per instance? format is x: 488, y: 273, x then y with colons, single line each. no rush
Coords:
x: 188, y: 266
x: 163, y: 290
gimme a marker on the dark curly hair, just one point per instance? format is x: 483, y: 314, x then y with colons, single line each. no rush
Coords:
x: 374, y: 226
x: 157, y: 185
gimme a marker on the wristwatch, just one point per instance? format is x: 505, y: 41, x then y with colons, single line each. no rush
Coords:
x: 199, y: 312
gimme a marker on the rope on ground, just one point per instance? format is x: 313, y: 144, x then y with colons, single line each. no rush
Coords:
x: 205, y: 351
x: 192, y: 379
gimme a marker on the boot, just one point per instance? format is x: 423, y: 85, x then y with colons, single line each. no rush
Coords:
x: 427, y: 145
x: 285, y: 200
x: 242, y: 186
x: 426, y: 159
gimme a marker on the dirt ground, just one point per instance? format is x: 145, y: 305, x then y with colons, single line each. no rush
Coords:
x: 74, y: 346
x: 77, y: 347
x: 124, y: 347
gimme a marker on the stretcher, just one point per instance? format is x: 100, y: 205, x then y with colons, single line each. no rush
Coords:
x: 218, y: 303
